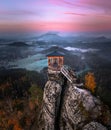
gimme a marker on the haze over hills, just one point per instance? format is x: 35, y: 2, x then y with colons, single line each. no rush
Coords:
x: 74, y: 44
x: 50, y: 37
x: 18, y: 44
x: 55, y: 37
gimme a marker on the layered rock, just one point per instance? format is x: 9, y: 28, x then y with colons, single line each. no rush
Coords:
x: 94, y: 126
x: 72, y: 109
x: 80, y: 108
x: 51, y: 99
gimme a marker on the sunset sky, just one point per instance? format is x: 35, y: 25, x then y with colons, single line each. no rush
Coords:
x: 55, y: 15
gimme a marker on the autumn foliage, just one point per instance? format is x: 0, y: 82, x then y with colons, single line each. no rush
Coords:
x: 15, y: 124
x: 90, y: 81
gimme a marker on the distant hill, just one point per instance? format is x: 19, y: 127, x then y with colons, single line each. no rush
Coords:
x: 101, y: 39
x: 53, y: 48
x: 19, y: 44
x: 51, y: 37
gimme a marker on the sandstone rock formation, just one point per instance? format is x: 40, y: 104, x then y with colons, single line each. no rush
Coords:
x: 94, y: 126
x: 80, y: 108
x: 66, y: 107
x: 51, y: 98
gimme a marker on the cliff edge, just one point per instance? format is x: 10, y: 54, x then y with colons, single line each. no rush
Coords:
x: 67, y: 107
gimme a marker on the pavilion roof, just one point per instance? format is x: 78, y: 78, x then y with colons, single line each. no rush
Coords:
x: 55, y: 53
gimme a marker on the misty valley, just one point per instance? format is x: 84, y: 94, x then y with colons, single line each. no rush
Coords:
x: 23, y: 66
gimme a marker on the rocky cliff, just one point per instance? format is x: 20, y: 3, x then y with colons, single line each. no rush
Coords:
x: 67, y: 107
x: 82, y: 111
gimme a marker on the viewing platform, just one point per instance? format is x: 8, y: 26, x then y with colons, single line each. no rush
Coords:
x: 56, y: 66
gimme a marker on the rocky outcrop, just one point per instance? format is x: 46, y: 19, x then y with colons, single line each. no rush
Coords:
x: 51, y: 98
x: 80, y: 108
x: 72, y: 108
x: 94, y: 126
x: 51, y: 101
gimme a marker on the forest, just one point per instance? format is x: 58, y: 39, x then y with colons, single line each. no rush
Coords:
x: 21, y: 95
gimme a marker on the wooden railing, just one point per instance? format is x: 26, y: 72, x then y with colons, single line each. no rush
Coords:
x: 68, y: 73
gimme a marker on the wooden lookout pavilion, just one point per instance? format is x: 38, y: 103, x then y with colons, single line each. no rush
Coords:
x: 55, y: 61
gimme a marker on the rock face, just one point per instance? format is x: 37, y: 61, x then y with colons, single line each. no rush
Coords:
x: 94, y: 126
x: 72, y: 109
x: 80, y: 108
x: 51, y: 99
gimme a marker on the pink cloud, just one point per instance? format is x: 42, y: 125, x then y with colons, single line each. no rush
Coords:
x: 17, y: 12
x: 58, y: 26
x: 65, y: 2
x: 94, y: 15
x: 70, y: 26
x: 102, y: 4
x: 98, y: 3
x: 78, y: 14
x: 69, y: 15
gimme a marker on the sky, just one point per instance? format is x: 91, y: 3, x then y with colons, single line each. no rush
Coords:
x: 55, y: 15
